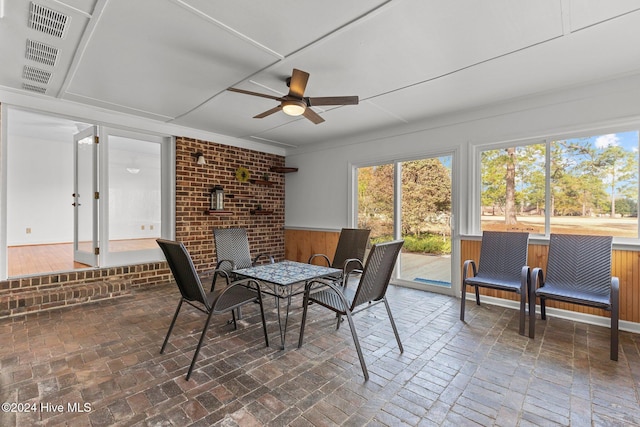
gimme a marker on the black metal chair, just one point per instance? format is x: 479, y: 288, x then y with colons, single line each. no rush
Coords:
x: 578, y: 272
x: 371, y: 290
x: 350, y: 250
x: 503, y: 266
x: 232, y: 253
x: 234, y: 296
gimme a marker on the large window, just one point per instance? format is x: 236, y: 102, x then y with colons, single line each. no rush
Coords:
x: 586, y: 185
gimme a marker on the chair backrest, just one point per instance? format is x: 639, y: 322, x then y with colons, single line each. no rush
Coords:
x: 232, y: 244
x: 579, y: 262
x: 352, y: 243
x: 377, y: 272
x: 183, y: 271
x: 503, y: 254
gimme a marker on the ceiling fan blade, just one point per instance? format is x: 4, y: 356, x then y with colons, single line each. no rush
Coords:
x: 298, y: 83
x: 313, y: 116
x: 268, y: 112
x: 248, y: 92
x: 333, y: 100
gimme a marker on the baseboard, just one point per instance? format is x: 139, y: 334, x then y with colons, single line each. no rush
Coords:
x: 590, y: 319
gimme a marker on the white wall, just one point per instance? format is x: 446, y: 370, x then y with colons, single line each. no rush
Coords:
x: 40, y: 184
x: 325, y: 169
x: 40, y: 187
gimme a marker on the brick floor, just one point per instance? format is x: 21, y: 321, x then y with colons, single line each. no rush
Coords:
x: 106, y: 356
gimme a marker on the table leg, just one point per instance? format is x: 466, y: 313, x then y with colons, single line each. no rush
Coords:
x: 283, y: 325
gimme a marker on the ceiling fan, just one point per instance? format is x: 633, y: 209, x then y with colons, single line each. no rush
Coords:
x: 295, y: 103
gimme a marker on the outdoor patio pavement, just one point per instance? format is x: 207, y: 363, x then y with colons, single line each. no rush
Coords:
x: 106, y: 356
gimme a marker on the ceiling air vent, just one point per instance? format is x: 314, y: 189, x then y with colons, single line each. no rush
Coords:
x: 41, y: 53
x: 34, y: 88
x: 47, y: 20
x: 36, y: 74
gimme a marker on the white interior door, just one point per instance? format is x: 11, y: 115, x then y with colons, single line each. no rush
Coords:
x: 85, y: 197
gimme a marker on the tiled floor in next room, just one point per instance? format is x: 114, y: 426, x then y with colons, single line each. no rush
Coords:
x: 106, y: 355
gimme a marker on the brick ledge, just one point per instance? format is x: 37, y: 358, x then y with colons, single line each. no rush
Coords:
x: 52, y: 297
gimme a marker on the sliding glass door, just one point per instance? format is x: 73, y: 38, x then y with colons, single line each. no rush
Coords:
x: 411, y: 200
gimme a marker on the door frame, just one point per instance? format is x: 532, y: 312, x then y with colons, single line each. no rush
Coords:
x: 91, y: 258
x: 454, y: 226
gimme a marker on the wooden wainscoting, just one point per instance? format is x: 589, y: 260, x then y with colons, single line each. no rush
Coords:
x: 626, y: 266
x: 299, y: 245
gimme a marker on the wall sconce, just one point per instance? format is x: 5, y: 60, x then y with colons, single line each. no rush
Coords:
x: 200, y: 158
x: 217, y: 198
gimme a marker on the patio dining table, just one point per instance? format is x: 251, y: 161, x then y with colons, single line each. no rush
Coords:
x: 283, y: 280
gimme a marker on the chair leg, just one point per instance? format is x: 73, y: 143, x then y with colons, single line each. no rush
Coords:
x: 477, y: 294
x: 615, y: 315
x: 305, y: 304
x: 173, y: 322
x: 463, y: 299
x: 195, y: 355
x: 532, y: 314
x: 264, y: 322
x: 523, y: 301
x: 233, y: 319
x: 614, y: 335
x: 357, y: 343
x: 543, y: 308
x: 393, y: 325
x: 213, y: 282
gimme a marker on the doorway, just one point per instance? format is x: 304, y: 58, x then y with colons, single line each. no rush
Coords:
x: 71, y: 203
x: 411, y: 200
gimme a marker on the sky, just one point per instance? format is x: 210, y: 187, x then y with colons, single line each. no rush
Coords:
x: 626, y: 140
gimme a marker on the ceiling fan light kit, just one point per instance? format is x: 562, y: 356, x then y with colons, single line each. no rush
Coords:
x: 295, y: 103
x: 294, y: 107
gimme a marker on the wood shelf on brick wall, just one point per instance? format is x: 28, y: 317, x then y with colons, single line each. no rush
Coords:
x: 260, y: 212
x: 282, y: 169
x: 217, y: 212
x: 262, y: 182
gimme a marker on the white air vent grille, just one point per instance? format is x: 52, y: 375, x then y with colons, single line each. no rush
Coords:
x: 36, y: 74
x: 41, y: 53
x: 47, y: 20
x: 33, y: 88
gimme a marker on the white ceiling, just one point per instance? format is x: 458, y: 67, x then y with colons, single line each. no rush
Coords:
x: 407, y: 60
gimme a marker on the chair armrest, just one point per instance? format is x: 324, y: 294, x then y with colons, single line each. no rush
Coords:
x: 223, y: 261
x: 537, y: 281
x: 233, y: 303
x: 525, y: 277
x: 329, y: 284
x: 345, y: 277
x: 247, y: 283
x: 326, y: 258
x: 465, y: 269
x: 255, y: 260
x: 223, y: 273
x: 350, y: 261
x: 615, y: 290
x: 537, y: 278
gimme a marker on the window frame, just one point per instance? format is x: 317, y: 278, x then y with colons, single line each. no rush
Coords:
x: 475, y: 211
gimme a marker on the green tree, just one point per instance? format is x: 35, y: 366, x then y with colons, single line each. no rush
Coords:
x: 426, y: 196
x: 618, y: 166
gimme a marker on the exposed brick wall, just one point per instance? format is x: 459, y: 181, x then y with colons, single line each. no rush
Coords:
x: 194, y: 184
x: 193, y: 227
